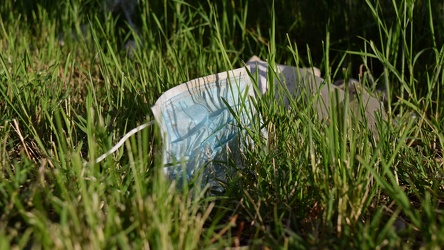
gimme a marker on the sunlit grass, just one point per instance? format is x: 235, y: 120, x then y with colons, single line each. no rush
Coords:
x: 309, y: 183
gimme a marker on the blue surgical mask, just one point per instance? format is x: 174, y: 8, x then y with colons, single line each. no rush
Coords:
x: 203, y: 121
x: 198, y: 128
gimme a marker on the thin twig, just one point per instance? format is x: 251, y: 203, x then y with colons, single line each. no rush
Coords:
x: 231, y: 223
x: 17, y: 130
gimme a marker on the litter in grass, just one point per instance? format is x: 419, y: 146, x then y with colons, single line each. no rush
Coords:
x: 200, y: 123
x: 204, y: 121
x: 361, y: 104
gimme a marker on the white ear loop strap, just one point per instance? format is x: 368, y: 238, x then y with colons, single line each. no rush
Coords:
x: 124, y: 138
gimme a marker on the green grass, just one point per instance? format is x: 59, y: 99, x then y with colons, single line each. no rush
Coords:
x: 310, y: 184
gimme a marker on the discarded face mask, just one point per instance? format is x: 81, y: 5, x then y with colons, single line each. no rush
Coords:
x: 198, y: 123
x: 199, y: 131
x: 203, y: 121
x: 361, y: 105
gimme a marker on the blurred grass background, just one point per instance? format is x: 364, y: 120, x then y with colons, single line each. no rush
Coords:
x: 349, y: 23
